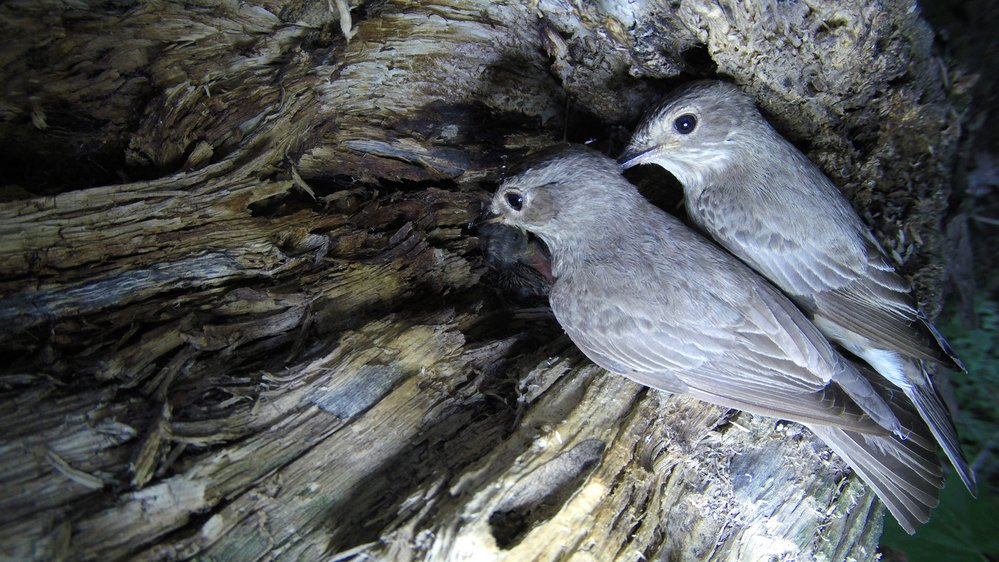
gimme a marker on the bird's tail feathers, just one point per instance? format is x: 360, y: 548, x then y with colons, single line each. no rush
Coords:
x: 937, y: 416
x: 905, y: 475
x: 861, y: 387
x: 951, y: 360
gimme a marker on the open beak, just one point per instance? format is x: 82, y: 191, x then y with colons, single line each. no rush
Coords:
x: 487, y: 217
x: 632, y: 157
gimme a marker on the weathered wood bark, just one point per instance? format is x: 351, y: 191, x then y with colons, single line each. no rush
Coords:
x: 242, y: 316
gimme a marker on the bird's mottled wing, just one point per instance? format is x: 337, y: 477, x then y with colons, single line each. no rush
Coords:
x: 748, y: 353
x: 802, y: 252
x: 621, y: 341
x: 879, y: 307
x: 825, y: 260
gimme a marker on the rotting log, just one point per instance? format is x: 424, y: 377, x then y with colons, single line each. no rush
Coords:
x: 243, y: 316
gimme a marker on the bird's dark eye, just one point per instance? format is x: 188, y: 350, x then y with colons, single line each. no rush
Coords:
x: 515, y: 200
x: 685, y: 123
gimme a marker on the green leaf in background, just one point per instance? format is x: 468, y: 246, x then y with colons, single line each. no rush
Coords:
x: 963, y: 528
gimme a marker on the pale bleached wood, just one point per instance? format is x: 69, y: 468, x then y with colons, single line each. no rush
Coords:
x: 245, y: 318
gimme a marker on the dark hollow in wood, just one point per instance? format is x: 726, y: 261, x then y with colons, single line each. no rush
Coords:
x: 243, y: 316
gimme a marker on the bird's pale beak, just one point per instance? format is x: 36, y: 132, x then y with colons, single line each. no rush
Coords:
x: 634, y: 157
x: 487, y: 217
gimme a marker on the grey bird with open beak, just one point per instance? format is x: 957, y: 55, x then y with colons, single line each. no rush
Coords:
x: 644, y: 296
x: 764, y: 201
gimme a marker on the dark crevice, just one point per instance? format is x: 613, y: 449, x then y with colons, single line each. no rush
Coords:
x: 537, y: 499
x: 699, y: 62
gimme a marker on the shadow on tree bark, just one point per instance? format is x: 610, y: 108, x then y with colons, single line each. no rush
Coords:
x: 243, y: 316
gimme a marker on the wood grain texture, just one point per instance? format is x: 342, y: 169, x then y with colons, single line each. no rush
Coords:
x: 243, y: 316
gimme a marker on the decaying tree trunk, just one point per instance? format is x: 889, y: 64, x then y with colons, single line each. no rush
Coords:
x: 243, y: 317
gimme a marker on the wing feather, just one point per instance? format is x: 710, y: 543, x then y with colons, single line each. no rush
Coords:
x: 752, y: 350
x: 829, y: 264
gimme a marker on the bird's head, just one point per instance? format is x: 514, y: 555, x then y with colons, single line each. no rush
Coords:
x: 697, y: 129
x: 571, y: 193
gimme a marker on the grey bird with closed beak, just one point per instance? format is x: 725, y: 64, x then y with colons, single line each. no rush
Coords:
x: 764, y: 201
x: 645, y: 297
